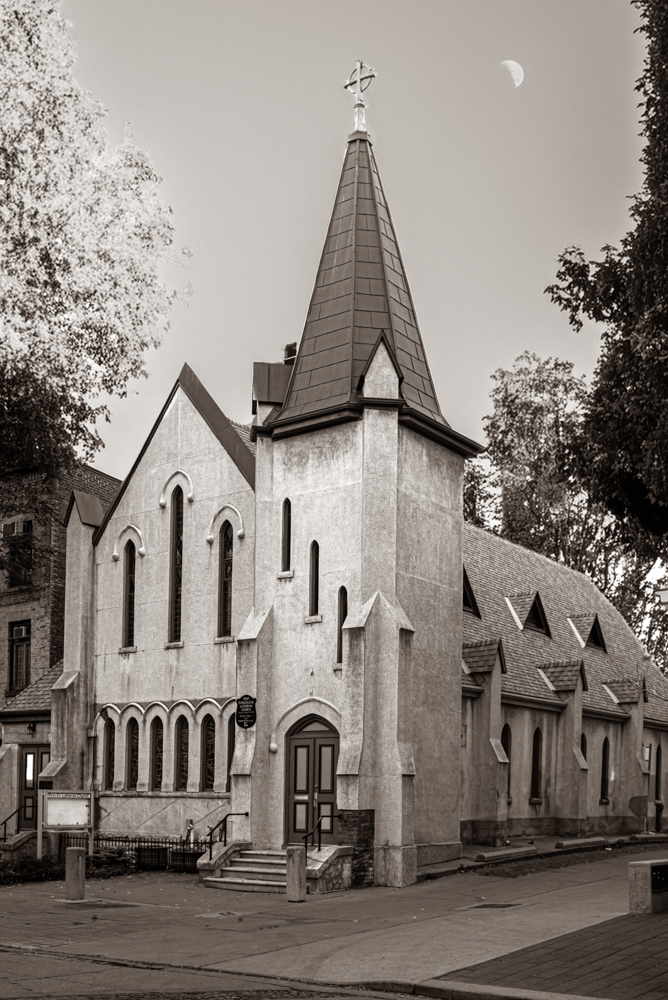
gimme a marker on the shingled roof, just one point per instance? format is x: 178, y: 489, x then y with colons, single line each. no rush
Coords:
x: 360, y: 290
x: 36, y: 697
x: 480, y: 657
x: 497, y: 568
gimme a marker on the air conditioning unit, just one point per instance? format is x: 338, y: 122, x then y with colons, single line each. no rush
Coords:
x: 20, y: 631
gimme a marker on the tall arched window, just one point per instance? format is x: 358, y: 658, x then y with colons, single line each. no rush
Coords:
x: 132, y: 753
x: 286, y: 535
x: 176, y: 566
x: 658, y: 778
x: 157, y: 735
x: 109, y: 753
x: 129, y: 596
x: 314, y: 581
x: 605, y: 770
x: 536, y: 766
x: 226, y: 546
x: 181, y: 736
x: 231, y: 740
x: 507, y: 744
x: 342, y: 615
x: 208, y: 754
x: 583, y: 745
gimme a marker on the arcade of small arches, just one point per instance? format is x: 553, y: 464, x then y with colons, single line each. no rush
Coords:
x: 156, y: 749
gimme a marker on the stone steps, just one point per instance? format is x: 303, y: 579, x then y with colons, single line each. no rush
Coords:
x: 252, y: 871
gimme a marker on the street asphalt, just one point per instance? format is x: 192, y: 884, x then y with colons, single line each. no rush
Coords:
x: 174, y: 938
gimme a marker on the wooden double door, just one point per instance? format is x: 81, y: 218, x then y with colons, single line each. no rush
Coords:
x: 33, y: 760
x: 312, y: 755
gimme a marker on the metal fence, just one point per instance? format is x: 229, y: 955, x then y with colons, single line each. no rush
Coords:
x: 148, y: 852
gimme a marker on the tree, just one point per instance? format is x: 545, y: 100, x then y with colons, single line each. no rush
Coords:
x: 83, y: 232
x: 626, y: 423
x: 83, y: 235
x: 532, y: 492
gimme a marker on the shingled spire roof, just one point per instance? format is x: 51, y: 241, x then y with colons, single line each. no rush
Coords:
x: 360, y: 290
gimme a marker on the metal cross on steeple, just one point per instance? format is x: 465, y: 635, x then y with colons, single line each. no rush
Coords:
x: 360, y: 78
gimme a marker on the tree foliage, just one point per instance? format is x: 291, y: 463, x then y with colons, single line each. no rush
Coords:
x: 627, y: 291
x: 530, y: 489
x: 83, y: 232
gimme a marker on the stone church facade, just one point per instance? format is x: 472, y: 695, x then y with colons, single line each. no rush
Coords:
x: 316, y: 562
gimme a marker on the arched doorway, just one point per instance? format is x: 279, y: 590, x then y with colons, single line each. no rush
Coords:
x: 312, y: 752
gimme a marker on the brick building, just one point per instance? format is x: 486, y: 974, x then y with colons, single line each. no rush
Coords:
x: 32, y: 613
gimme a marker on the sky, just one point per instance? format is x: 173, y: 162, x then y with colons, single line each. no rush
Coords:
x: 241, y: 105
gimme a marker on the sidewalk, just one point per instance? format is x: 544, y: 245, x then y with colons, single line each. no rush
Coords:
x: 469, y: 928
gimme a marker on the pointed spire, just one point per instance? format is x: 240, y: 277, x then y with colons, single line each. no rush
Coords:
x: 361, y: 288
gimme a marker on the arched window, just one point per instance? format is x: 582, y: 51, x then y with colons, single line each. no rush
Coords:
x: 342, y: 615
x: 231, y: 741
x: 129, y: 596
x: 314, y: 581
x: 208, y: 755
x: 109, y: 753
x: 225, y: 545
x: 176, y: 566
x: 536, y: 766
x: 132, y: 753
x: 507, y: 744
x: 286, y: 535
x: 605, y: 770
x: 157, y: 733
x: 658, y: 778
x: 583, y: 745
x: 181, y: 735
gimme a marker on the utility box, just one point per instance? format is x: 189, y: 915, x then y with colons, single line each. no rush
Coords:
x: 648, y: 886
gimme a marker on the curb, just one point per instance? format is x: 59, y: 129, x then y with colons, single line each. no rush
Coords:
x: 451, y: 989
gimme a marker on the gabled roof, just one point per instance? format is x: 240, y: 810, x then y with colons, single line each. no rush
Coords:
x: 361, y: 289
x: 626, y: 690
x: 34, y: 699
x: 470, y: 603
x: 497, y: 568
x: 89, y: 508
x: 480, y: 657
x: 589, y: 629
x: 564, y: 674
x: 529, y: 611
x: 235, y: 438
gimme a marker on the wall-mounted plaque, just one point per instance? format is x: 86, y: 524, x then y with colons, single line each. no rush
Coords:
x: 246, y: 714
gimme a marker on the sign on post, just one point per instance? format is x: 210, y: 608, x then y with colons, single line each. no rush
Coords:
x: 65, y: 811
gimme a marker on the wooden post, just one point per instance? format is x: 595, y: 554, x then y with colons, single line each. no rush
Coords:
x: 40, y: 821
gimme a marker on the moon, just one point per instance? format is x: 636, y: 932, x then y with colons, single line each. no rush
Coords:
x: 515, y: 70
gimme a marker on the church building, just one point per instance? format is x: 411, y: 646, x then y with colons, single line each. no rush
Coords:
x: 289, y: 619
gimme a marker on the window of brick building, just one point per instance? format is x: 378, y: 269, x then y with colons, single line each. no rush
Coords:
x: 19, y: 655
x: 18, y: 537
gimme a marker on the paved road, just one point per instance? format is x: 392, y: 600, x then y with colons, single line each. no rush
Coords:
x: 374, y: 935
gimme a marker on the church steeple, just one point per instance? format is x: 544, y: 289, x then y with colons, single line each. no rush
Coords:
x: 360, y: 290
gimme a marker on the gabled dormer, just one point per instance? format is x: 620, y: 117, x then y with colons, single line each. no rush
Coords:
x: 469, y: 602
x: 528, y: 612
x: 588, y: 631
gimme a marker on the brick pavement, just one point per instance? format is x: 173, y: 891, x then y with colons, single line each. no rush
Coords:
x: 625, y: 958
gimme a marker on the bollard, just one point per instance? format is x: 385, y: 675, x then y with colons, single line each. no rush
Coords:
x: 295, y: 865
x: 75, y: 873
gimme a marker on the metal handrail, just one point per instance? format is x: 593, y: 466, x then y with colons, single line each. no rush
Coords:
x: 223, y: 823
x: 6, y: 821
x: 317, y: 827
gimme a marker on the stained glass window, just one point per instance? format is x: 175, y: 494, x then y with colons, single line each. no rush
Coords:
x: 208, y: 752
x: 182, y: 736
x: 156, y: 754
x: 132, y: 739
x: 226, y: 543
x: 109, y: 753
x: 129, y: 602
x: 176, y: 567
